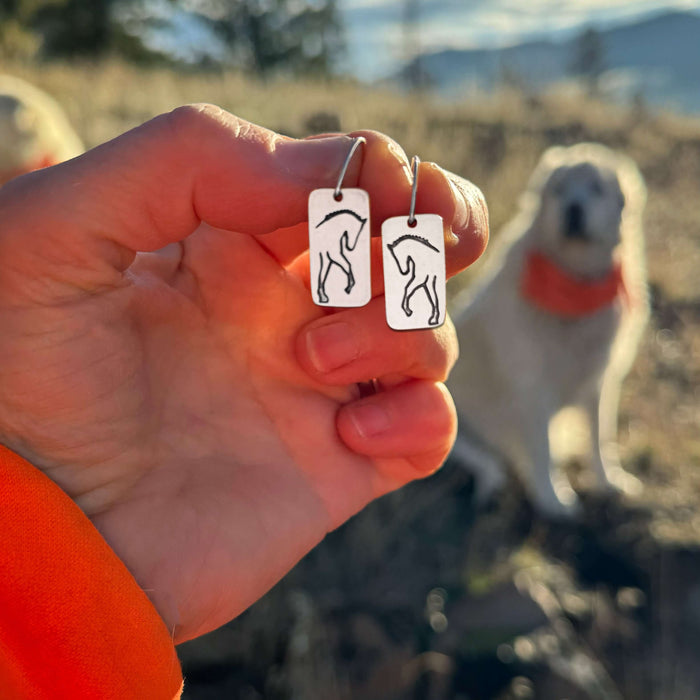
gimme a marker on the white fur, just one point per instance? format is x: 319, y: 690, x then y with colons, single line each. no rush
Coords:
x: 32, y: 127
x: 519, y: 366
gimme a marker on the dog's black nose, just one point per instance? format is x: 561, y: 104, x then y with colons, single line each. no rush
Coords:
x: 574, y: 221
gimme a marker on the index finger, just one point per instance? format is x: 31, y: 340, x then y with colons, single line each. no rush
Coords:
x: 81, y: 223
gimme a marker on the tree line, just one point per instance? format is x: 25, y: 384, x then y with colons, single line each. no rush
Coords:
x: 261, y: 36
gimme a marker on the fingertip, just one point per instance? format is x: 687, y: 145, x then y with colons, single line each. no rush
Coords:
x: 416, y: 421
x: 430, y: 462
x: 450, y: 411
x: 464, y: 211
x: 471, y: 230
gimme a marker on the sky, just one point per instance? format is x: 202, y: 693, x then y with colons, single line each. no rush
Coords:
x: 378, y: 44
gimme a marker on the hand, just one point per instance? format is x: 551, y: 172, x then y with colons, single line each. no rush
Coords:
x: 175, y: 378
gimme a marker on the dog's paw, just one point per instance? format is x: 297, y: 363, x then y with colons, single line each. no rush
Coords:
x: 623, y: 482
x: 556, y: 510
x: 561, y: 503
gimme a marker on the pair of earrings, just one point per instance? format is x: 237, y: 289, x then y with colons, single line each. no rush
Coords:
x: 413, y: 251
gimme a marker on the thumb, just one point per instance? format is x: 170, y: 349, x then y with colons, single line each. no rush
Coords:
x: 82, y: 222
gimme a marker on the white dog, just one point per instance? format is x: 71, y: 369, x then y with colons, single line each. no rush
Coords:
x: 553, y: 322
x: 34, y: 131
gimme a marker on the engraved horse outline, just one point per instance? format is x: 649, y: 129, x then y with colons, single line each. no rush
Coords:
x: 411, y: 260
x: 333, y: 249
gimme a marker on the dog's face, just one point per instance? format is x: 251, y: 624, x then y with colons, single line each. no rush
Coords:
x: 580, y: 213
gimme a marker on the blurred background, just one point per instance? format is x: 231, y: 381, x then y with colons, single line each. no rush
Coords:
x: 424, y: 595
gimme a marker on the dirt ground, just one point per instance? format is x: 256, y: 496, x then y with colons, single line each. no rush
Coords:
x: 422, y: 596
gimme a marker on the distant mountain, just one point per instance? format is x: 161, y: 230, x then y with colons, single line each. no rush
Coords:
x: 657, y: 57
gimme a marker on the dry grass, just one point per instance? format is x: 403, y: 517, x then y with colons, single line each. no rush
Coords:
x: 495, y: 142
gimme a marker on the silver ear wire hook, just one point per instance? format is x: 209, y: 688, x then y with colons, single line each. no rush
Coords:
x: 413, y: 257
x: 415, y: 162
x: 355, y: 145
x: 340, y: 257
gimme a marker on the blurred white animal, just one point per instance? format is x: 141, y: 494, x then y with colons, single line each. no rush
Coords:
x: 554, y: 321
x: 34, y: 131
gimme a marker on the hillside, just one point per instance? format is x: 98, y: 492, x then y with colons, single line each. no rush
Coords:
x: 422, y: 595
x: 657, y: 57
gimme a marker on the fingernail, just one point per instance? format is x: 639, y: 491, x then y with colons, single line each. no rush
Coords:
x: 332, y: 346
x: 462, y: 211
x: 400, y: 155
x: 369, y: 419
x: 315, y: 160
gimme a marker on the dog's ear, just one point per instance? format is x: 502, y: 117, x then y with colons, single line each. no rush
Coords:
x: 632, y: 186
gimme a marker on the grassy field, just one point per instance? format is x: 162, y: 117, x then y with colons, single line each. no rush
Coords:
x: 494, y: 141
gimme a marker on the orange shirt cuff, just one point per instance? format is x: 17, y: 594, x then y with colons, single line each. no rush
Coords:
x: 73, y: 621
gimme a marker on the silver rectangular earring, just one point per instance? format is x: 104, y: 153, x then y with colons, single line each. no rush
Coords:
x: 339, y: 243
x: 413, y: 250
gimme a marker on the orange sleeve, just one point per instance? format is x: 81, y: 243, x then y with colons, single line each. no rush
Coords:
x: 73, y: 621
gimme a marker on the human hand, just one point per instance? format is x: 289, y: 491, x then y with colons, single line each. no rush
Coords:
x: 161, y: 369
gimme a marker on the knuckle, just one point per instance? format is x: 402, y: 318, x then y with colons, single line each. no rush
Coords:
x: 193, y: 121
x: 202, y: 124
